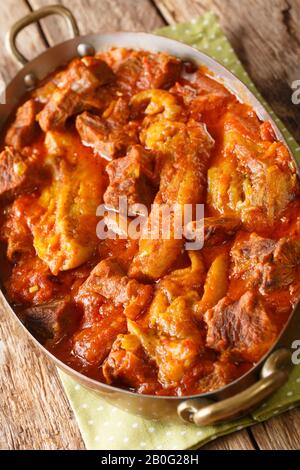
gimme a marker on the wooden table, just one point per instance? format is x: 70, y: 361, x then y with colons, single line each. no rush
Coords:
x: 34, y: 412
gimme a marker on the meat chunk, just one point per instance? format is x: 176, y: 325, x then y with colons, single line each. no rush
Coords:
x: 218, y: 230
x: 15, y: 231
x: 159, y: 71
x: 204, y: 97
x: 132, y: 177
x: 143, y: 70
x: 31, y: 282
x: 74, y: 92
x: 128, y: 364
x: 108, y: 137
x: 63, y: 104
x: 283, y: 269
x: 242, y: 328
x: 268, y: 263
x: 51, y: 320
x: 85, y: 75
x: 109, y: 280
x: 92, y: 344
x: 95, y: 133
x: 22, y: 130
x: 206, y: 376
x: 250, y: 255
x: 213, y: 230
x: 17, y: 174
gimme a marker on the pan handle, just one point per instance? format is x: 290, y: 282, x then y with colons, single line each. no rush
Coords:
x: 33, y: 17
x: 274, y: 374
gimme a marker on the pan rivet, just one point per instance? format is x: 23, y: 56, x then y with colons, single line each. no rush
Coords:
x: 85, y: 49
x: 30, y: 80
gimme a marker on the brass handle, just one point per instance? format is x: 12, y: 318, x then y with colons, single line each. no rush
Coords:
x: 274, y: 374
x: 32, y: 18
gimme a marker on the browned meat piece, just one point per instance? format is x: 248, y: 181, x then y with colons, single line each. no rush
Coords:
x: 222, y: 374
x: 106, y: 139
x: 51, y: 320
x: 287, y: 251
x: 94, y: 133
x: 92, y: 344
x: 214, y: 230
x: 218, y: 230
x: 85, y: 75
x: 250, y: 255
x: 109, y: 280
x: 282, y: 271
x: 15, y: 231
x: 63, y: 104
x: 22, y: 130
x: 131, y: 176
x: 128, y: 364
x: 82, y: 76
x: 159, y: 71
x: 265, y: 262
x: 74, y: 92
x: 118, y: 112
x: 205, y: 98
x: 243, y: 328
x: 31, y: 282
x: 112, y: 134
x: 17, y: 174
x: 207, y: 375
x: 143, y: 70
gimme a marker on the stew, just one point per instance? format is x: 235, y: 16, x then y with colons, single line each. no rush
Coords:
x: 151, y: 314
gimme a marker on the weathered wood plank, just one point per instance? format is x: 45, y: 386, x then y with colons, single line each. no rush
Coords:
x: 266, y: 37
x: 279, y: 433
x: 95, y: 17
x: 239, y: 440
x: 29, y: 40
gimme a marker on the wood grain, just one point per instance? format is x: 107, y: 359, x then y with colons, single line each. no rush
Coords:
x: 94, y: 16
x: 279, y: 433
x: 239, y: 440
x: 30, y: 41
x: 265, y: 35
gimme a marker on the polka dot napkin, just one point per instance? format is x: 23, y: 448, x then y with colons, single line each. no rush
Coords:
x: 104, y: 426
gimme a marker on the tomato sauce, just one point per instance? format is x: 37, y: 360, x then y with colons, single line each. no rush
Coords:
x: 148, y: 316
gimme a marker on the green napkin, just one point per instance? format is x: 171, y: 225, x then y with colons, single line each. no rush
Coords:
x: 104, y: 426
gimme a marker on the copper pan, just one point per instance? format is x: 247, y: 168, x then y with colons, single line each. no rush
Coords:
x: 272, y: 371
